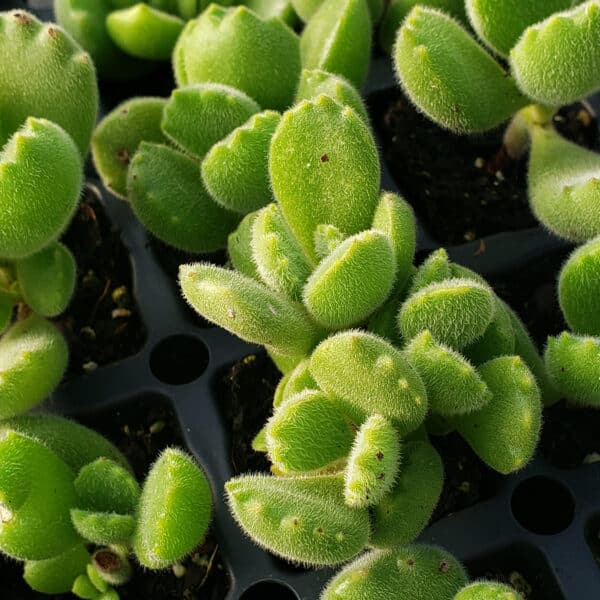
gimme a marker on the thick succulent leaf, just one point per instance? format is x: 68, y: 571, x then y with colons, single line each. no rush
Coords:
x: 236, y: 47
x: 527, y: 350
x: 56, y: 575
x: 405, y: 511
x: 36, y: 493
x: 44, y: 73
x: 557, y: 61
x: 450, y: 77
x: 324, y: 170
x: 457, y: 312
x: 174, y: 511
x: 250, y: 310
x: 236, y: 169
x: 434, y: 269
x: 353, y: 281
x: 397, y: 10
x: 47, y: 279
x: 579, y: 289
x: 453, y: 385
x: 301, y: 519
x: 308, y: 432
x: 167, y: 195
x: 40, y: 179
x: 7, y: 305
x: 373, y: 462
x: 85, y: 20
x: 573, y: 364
x: 103, y: 528
x: 564, y: 185
x: 297, y: 380
x: 337, y: 39
x: 307, y: 8
x: 75, y: 444
x: 267, y: 9
x: 488, y: 590
x: 500, y: 23
x: 118, y: 136
x: 348, y: 363
x: 314, y: 82
x: 417, y: 572
x: 327, y: 239
x: 144, y: 32
x: 198, y: 116
x: 280, y: 261
x: 505, y: 432
x: 239, y: 247
x: 33, y: 358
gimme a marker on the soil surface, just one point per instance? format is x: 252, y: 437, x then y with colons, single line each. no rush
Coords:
x: 461, y: 187
x: 102, y: 323
x: 141, y: 429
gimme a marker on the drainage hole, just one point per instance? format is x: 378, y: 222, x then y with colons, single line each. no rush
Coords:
x: 266, y: 589
x: 543, y: 505
x: 179, y: 359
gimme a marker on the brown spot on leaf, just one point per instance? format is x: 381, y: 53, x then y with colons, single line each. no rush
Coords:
x: 444, y: 566
x: 108, y: 561
x: 123, y: 156
x: 380, y: 455
x: 52, y: 32
x: 381, y: 476
x: 23, y: 18
x: 324, y: 158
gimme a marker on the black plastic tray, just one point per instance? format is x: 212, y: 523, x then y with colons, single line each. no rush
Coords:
x: 562, y: 506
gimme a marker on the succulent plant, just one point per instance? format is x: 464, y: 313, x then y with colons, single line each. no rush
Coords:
x: 551, y: 51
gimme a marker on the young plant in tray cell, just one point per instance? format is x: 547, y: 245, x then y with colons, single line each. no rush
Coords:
x: 552, y: 52
x: 372, y: 349
x: 60, y: 473
x: 48, y: 102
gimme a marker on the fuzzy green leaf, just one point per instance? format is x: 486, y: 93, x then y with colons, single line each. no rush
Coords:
x: 500, y: 24
x: 307, y: 8
x: 348, y: 363
x: 236, y: 47
x: 579, y: 289
x: 239, y: 247
x: 144, y: 32
x: 452, y: 383
x: 564, y: 185
x: 102, y: 527
x: 572, y: 362
x: 236, y: 170
x: 353, y: 281
x: 279, y: 259
x: 324, y: 170
x: 7, y: 304
x: 434, y: 269
x: 75, y: 444
x: 36, y: 493
x: 314, y: 82
x: 47, y: 279
x: 118, y: 136
x: 167, y: 195
x: 403, y: 513
x: 85, y: 589
x: 557, y: 61
x: 457, y: 312
x: 33, y: 359
x: 505, y: 432
x: 44, y: 73
x: 308, y: 433
x: 250, y: 310
x: 297, y: 380
x: 488, y: 590
x: 40, y: 181
x: 301, y: 519
x: 56, y: 575
x: 327, y: 239
x: 450, y: 77
x: 174, y: 510
x: 417, y: 572
x: 267, y: 9
x: 198, y: 116
x: 337, y: 39
x: 373, y: 462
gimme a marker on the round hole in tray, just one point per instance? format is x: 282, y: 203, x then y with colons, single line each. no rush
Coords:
x: 269, y: 589
x: 543, y: 505
x: 179, y: 359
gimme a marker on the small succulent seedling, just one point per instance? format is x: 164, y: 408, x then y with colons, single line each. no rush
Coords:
x: 551, y: 50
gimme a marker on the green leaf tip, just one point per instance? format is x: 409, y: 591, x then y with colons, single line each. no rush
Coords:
x: 488, y: 590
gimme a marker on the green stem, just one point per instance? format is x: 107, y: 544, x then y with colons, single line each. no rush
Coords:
x: 517, y: 134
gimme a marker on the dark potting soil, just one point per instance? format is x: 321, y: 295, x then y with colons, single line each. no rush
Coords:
x: 247, y: 390
x: 102, y: 323
x: 170, y: 259
x: 461, y: 187
x: 141, y: 429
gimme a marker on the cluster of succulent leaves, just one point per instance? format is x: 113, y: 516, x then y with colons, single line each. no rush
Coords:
x: 376, y: 355
x: 73, y: 513
x: 551, y: 47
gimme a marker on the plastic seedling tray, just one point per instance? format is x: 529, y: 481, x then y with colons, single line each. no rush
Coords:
x: 538, y: 522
